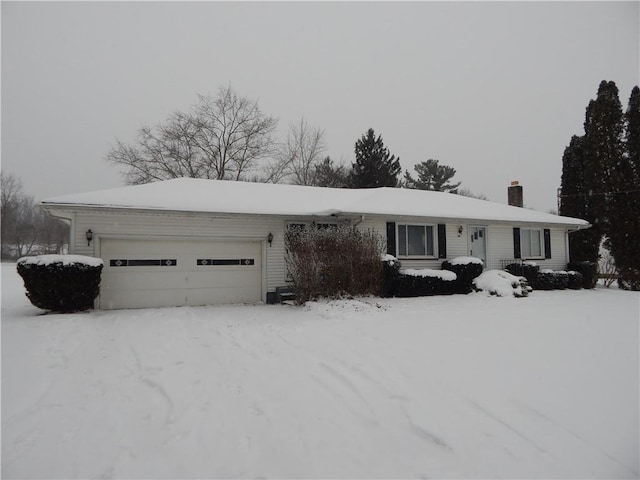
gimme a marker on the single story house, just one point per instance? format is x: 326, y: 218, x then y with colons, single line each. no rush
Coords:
x: 196, y: 242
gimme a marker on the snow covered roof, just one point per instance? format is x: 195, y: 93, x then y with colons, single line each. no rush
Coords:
x: 229, y: 197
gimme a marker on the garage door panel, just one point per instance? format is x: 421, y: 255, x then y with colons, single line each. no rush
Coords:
x: 223, y: 279
x: 133, y: 280
x: 201, y: 273
x: 223, y: 295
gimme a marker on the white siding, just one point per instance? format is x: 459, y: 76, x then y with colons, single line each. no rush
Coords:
x: 131, y: 225
x: 500, y: 247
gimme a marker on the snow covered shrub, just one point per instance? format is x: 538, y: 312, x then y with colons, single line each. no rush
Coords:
x: 61, y: 283
x: 466, y: 269
x: 502, y: 284
x: 528, y: 270
x: 589, y: 271
x: 332, y: 262
x: 390, y: 273
x: 423, y: 282
x: 575, y: 280
x: 550, y: 280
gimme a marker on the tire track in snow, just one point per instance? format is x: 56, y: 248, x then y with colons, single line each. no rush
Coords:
x: 541, y: 416
x: 506, y: 425
x: 425, y: 434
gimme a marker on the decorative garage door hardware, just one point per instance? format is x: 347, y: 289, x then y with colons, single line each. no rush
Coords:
x: 214, y: 262
x: 165, y: 262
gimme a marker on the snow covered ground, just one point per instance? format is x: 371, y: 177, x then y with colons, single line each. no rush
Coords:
x: 447, y: 387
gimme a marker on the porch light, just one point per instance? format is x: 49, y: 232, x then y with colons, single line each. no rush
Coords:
x: 460, y: 230
x: 270, y: 238
x: 89, y: 235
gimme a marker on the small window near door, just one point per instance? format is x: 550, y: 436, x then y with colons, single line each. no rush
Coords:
x: 531, y: 242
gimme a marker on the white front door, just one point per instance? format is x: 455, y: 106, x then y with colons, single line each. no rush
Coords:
x: 478, y: 243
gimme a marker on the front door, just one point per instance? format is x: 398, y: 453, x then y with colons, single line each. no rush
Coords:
x: 478, y: 243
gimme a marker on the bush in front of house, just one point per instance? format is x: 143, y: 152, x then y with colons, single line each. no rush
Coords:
x: 390, y: 273
x: 333, y: 262
x: 528, y: 270
x: 575, y: 281
x: 466, y: 270
x: 61, y: 283
x: 423, y: 282
x: 502, y: 284
x: 550, y: 280
x: 588, y: 270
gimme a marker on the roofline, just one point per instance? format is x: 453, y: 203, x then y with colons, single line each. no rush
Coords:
x: 74, y: 207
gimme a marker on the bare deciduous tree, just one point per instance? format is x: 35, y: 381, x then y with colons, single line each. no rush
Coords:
x: 302, y: 152
x: 222, y: 138
x: 26, y: 229
x: 465, y: 192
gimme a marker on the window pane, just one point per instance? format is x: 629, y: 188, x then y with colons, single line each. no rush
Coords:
x: 416, y: 239
x: 430, y: 249
x: 535, y: 243
x: 525, y: 236
x: 531, y: 242
x: 402, y: 239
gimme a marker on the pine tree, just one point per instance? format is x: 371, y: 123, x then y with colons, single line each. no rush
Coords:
x: 624, y: 218
x: 584, y: 244
x: 604, y: 149
x: 432, y: 176
x: 374, y: 165
x: 328, y: 174
x: 632, y: 138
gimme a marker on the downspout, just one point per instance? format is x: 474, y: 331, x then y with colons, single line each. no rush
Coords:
x: 359, y: 221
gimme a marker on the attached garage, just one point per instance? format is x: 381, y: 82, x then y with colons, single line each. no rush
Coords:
x: 152, y: 272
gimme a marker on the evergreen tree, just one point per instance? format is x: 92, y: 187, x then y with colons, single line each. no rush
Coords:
x: 632, y: 138
x: 574, y: 202
x: 374, y: 165
x: 624, y: 219
x: 432, y: 176
x: 604, y: 149
x: 327, y: 174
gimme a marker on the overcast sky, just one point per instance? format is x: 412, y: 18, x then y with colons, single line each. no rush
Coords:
x: 495, y: 90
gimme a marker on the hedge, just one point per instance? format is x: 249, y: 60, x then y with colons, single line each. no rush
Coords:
x: 410, y: 283
x: 549, y: 280
x: 527, y: 270
x: 466, y: 272
x: 61, y: 283
x: 588, y: 270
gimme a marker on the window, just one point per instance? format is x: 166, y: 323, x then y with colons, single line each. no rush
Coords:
x: 530, y: 242
x: 416, y: 241
x: 319, y: 226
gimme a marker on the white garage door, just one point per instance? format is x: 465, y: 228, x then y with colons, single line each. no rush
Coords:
x: 161, y: 273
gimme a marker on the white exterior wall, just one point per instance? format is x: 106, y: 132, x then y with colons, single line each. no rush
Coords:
x: 132, y: 224
x: 500, y: 247
x: 166, y: 225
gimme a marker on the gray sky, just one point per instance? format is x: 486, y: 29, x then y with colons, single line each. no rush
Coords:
x: 495, y: 90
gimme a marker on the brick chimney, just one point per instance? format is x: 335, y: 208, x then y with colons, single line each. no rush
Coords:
x: 514, y: 194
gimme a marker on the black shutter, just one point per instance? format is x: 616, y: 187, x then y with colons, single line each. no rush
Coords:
x: 442, y: 240
x: 516, y: 243
x: 547, y: 243
x: 391, y: 238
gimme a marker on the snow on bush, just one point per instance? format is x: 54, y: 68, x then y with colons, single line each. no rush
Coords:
x: 465, y: 261
x: 62, y: 259
x: 502, y: 284
x: 387, y: 257
x: 61, y: 283
x: 426, y: 272
x: 466, y: 269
